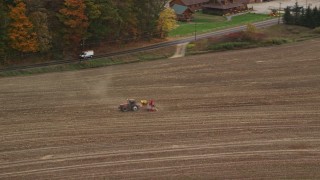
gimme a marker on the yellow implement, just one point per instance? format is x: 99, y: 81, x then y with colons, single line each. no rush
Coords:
x: 144, y: 102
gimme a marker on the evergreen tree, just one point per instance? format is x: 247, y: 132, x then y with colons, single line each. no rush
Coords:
x: 296, y: 10
x: 302, y: 18
x: 318, y: 18
x: 314, y: 14
x: 308, y: 17
x: 287, y: 16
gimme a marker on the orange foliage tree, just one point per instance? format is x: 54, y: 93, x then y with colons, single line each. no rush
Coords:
x: 72, y: 15
x: 21, y: 34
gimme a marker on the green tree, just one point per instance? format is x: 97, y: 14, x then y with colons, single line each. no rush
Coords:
x: 287, y: 17
x: 93, y: 10
x: 3, y: 30
x: 302, y: 18
x: 147, y: 13
x: 296, y: 10
x: 318, y: 18
x: 102, y: 17
x: 40, y: 22
x: 308, y: 17
x: 315, y: 13
x: 127, y: 23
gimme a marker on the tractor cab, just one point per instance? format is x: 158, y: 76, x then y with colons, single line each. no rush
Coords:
x: 131, y: 105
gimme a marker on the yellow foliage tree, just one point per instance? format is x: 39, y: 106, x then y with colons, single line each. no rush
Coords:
x: 167, y: 21
x: 21, y: 34
x: 251, y: 28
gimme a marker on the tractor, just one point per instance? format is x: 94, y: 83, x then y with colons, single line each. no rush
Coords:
x: 131, y: 105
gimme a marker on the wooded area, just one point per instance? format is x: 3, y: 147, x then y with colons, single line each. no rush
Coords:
x: 298, y: 15
x: 62, y: 28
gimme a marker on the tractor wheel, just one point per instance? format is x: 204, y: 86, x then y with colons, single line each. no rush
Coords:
x: 135, y: 108
x: 124, y: 109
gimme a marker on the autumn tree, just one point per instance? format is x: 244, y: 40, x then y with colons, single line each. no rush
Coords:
x: 21, y: 34
x: 72, y: 15
x: 167, y: 22
x: 40, y: 22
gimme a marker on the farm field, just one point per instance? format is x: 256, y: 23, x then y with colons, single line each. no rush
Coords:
x: 237, y: 114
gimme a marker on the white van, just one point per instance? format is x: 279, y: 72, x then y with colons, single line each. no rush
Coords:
x: 87, y: 54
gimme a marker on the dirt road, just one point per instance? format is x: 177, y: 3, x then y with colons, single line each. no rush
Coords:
x: 239, y: 114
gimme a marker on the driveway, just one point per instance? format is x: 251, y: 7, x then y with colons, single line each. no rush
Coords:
x: 265, y: 8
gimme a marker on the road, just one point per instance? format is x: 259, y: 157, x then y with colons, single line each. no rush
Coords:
x: 246, y: 114
x: 262, y: 24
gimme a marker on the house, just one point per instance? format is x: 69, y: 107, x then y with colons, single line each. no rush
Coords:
x: 193, y: 5
x: 183, y: 12
x: 185, y: 8
x: 222, y: 7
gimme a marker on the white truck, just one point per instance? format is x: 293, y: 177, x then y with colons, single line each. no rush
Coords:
x: 87, y: 54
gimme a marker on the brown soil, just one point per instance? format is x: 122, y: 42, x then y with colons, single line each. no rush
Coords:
x: 240, y: 114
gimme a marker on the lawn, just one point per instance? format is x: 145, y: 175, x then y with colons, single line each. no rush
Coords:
x: 274, y: 35
x: 206, y: 23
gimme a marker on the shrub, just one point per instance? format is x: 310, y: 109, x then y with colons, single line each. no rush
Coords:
x: 237, y: 36
x: 317, y: 30
x: 277, y: 41
x: 251, y: 28
x: 253, y: 36
x: 229, y: 46
x: 191, y: 46
x: 246, y: 36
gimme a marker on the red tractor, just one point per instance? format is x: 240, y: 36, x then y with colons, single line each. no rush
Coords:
x: 131, y: 105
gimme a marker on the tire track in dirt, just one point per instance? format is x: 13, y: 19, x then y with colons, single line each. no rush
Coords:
x: 204, y: 130
x: 162, y: 159
x: 171, y: 149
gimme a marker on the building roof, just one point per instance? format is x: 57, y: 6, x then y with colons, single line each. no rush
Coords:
x: 179, y: 9
x: 191, y: 2
x: 226, y: 6
x: 220, y: 6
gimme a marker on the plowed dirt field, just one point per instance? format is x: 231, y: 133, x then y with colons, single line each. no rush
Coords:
x: 239, y: 114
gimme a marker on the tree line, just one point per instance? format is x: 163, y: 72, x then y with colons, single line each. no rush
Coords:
x: 298, y: 15
x: 61, y: 28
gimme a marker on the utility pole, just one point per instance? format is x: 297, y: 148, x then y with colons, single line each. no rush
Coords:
x: 279, y: 14
x: 195, y: 30
x: 82, y: 44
